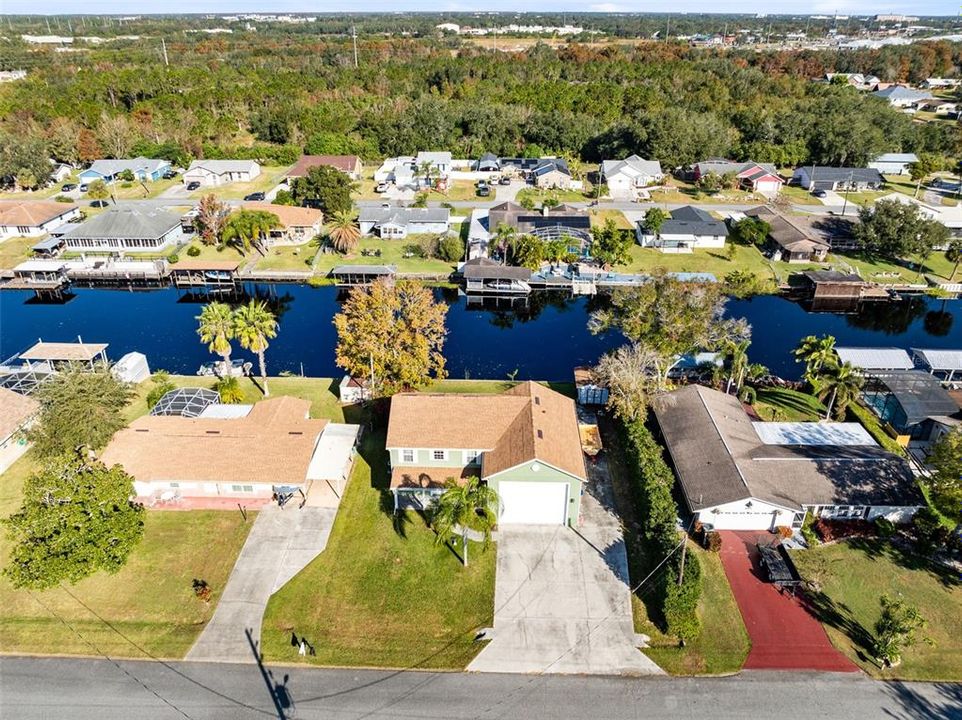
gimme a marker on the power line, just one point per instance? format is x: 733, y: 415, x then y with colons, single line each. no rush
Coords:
x: 109, y: 659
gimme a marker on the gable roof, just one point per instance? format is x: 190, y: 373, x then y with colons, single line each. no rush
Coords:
x: 784, y: 233
x: 899, y: 92
x: 897, y: 157
x: 551, y: 165
x: 823, y: 173
x: 690, y: 220
x: 527, y: 422
x: 289, y: 215
x: 127, y: 222
x: 436, y: 157
x: 403, y: 215
x: 721, y: 166
x: 482, y: 268
x: 344, y: 163
x: 111, y: 167
x: 273, y: 443
x: 220, y: 167
x: 32, y: 213
x: 632, y: 166
x: 720, y: 457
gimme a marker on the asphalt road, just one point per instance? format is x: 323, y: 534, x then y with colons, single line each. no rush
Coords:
x: 101, y: 690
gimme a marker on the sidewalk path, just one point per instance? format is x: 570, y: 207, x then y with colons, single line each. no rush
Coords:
x: 281, y: 543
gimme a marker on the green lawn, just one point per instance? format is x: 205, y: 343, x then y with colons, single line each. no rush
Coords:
x: 150, y: 601
x: 287, y: 257
x: 14, y: 251
x: 600, y: 217
x: 392, y: 253
x: 644, y: 260
x: 856, y: 573
x: 797, y: 195
x: 682, y: 192
x: 383, y: 593
x: 786, y: 405
x: 537, y: 195
x: 723, y: 644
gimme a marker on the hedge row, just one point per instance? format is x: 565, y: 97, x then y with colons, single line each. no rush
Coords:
x: 679, y: 603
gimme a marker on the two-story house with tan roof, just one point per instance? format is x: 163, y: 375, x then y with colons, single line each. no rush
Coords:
x: 524, y: 443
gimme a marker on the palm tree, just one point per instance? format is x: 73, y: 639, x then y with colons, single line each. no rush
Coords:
x: 229, y: 390
x: 840, y: 384
x: 815, y: 353
x: 254, y: 325
x: 344, y: 232
x: 954, y: 254
x: 504, y: 236
x: 216, y: 328
x: 471, y: 506
x: 245, y: 226
x: 737, y: 352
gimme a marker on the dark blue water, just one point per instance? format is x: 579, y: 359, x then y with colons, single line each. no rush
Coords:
x: 544, y: 341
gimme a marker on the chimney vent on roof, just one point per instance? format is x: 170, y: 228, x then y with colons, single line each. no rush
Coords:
x: 540, y: 435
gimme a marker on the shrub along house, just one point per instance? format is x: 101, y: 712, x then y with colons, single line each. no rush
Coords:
x: 525, y: 443
x: 736, y: 474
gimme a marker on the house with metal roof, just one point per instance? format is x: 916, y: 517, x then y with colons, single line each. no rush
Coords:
x: 738, y: 474
x: 393, y: 222
x: 625, y: 178
x: 822, y: 177
x: 899, y: 96
x: 213, y: 173
x: 944, y: 364
x: 894, y: 163
x: 129, y: 229
x: 875, y: 358
x: 688, y: 228
x: 524, y: 443
x: 109, y: 170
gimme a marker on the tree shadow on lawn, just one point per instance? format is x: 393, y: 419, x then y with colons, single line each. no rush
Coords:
x: 902, y: 552
x: 840, y: 617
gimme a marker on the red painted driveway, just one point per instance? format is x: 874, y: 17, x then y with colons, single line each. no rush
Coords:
x: 784, y: 635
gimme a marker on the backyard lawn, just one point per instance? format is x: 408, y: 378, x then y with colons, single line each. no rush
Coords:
x: 392, y: 253
x: 287, y: 257
x: 150, y: 602
x: 14, y: 251
x: 855, y: 573
x: 723, y: 643
x: 786, y: 405
x: 600, y: 217
x: 383, y: 593
x: 537, y: 195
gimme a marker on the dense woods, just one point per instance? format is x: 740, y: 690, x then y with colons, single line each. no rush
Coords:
x: 271, y: 95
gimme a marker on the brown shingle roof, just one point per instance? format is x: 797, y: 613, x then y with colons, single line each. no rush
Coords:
x: 15, y: 410
x: 289, y: 215
x: 31, y: 213
x: 527, y: 422
x: 786, y: 234
x: 344, y: 163
x: 274, y: 443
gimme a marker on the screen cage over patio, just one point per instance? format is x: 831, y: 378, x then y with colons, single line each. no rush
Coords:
x: 906, y: 398
x: 186, y: 402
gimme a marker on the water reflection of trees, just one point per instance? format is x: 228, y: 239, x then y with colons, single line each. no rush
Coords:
x: 891, y: 318
x: 939, y: 322
x: 506, y: 312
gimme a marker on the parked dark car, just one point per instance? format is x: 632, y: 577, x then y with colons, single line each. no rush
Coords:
x: 193, y: 185
x: 505, y: 180
x: 483, y: 191
x: 170, y: 175
x: 67, y: 187
x: 83, y: 187
x: 820, y: 193
x: 99, y: 203
x: 254, y: 197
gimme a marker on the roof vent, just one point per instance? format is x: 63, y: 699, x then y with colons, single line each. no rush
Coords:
x: 294, y: 432
x: 212, y: 432
x: 540, y: 435
x: 537, y: 400
x: 141, y: 430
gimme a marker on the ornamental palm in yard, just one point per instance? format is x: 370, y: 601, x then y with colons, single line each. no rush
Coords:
x: 815, y: 352
x: 243, y: 227
x: 216, y: 328
x: 841, y: 384
x: 461, y: 508
x: 254, y: 326
x: 344, y: 232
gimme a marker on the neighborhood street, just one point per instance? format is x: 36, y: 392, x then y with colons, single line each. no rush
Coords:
x: 34, y: 688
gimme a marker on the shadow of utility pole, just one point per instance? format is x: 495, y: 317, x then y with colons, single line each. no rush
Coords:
x: 280, y: 695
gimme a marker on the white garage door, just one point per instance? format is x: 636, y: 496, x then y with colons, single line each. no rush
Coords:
x: 533, y: 503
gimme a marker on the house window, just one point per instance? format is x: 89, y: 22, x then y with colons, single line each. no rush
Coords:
x: 242, y: 488
x: 439, y: 455
x: 407, y: 456
x: 174, y: 485
x: 471, y: 456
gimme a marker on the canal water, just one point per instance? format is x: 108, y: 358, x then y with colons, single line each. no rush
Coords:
x: 543, y: 340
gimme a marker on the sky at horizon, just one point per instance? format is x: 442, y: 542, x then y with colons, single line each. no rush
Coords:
x: 773, y: 7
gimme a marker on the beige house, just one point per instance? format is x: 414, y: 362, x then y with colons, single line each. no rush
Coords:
x: 34, y: 218
x: 17, y: 412
x: 298, y: 224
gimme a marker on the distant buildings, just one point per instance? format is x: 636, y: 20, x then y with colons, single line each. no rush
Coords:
x: 213, y: 173
x: 109, y: 170
x: 894, y: 163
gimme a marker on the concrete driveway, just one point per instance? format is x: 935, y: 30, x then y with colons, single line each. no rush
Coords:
x: 562, y: 603
x: 281, y: 543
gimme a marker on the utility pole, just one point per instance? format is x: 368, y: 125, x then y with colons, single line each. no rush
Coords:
x: 681, y: 569
x: 163, y: 44
x: 667, y: 28
x: 354, y: 39
x: 848, y: 189
x: 47, y: 20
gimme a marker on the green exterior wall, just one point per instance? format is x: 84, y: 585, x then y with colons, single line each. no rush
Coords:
x: 422, y: 458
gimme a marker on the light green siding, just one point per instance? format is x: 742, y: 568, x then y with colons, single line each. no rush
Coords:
x: 424, y: 458
x: 544, y: 473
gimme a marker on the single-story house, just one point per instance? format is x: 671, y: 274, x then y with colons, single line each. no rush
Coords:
x: 552, y: 173
x: 488, y: 162
x: 688, y: 228
x: 756, y: 177
x: 439, y: 162
x: 59, y: 171
x: 211, y: 173
x: 933, y: 82
x: 524, y: 443
x: 142, y: 168
x: 899, y: 96
x: 626, y: 177
x: 34, y: 218
x: 894, y: 163
x: 128, y: 229
x: 298, y: 224
x: 788, y: 241
x: 736, y: 474
x: 399, y: 222
x: 348, y: 164
x: 245, y: 454
x: 821, y: 177
x: 17, y: 412
x: 856, y: 80
x: 561, y: 221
